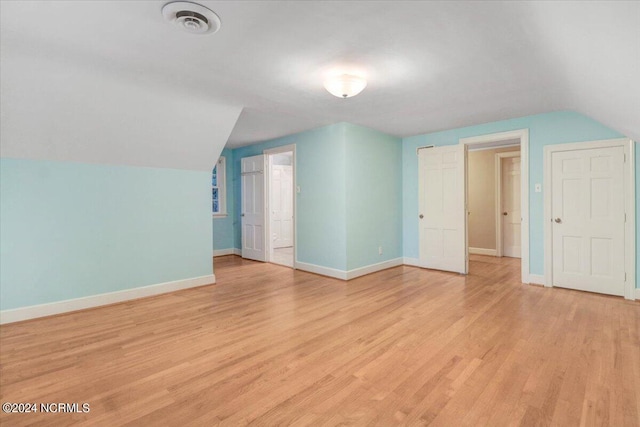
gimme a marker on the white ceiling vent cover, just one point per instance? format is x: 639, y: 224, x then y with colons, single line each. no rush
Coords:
x: 191, y: 17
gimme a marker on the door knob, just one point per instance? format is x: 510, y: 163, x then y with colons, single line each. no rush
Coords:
x: 504, y: 213
x: 421, y: 216
x: 558, y: 220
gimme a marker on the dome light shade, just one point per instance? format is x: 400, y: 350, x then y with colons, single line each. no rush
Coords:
x: 345, y: 85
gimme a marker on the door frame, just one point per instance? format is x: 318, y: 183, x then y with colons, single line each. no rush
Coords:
x: 629, y: 206
x: 523, y: 136
x: 498, y: 192
x: 291, y: 148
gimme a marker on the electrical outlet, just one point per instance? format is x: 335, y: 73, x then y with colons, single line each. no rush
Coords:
x: 379, y: 250
x: 298, y: 189
x: 538, y: 188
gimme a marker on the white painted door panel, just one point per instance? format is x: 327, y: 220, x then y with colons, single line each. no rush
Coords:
x: 281, y: 205
x: 511, y: 222
x: 252, y: 208
x: 588, y: 220
x: 442, y: 208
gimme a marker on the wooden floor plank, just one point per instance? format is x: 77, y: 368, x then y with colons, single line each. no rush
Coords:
x: 268, y: 346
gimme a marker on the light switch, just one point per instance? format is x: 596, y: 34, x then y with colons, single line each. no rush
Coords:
x: 297, y: 189
x: 538, y: 188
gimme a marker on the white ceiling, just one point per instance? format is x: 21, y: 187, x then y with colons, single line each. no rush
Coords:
x: 430, y: 65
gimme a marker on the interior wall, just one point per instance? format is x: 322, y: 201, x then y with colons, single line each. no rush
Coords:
x: 544, y: 129
x: 71, y: 230
x: 321, y: 204
x: 350, y: 202
x: 482, y: 197
x: 223, y: 225
x: 374, y: 196
x: 75, y: 221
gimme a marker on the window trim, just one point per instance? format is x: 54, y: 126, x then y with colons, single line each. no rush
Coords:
x: 222, y: 188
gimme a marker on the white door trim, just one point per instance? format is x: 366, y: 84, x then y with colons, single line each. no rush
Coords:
x: 498, y: 193
x: 268, y: 153
x: 523, y: 136
x: 629, y: 207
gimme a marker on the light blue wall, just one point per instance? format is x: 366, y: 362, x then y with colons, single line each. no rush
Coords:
x: 334, y: 179
x: 351, y: 195
x: 544, y: 129
x: 223, y: 226
x: 321, y: 205
x: 71, y: 230
x: 374, y: 196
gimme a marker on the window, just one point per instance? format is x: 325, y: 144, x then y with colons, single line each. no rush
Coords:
x: 218, y: 188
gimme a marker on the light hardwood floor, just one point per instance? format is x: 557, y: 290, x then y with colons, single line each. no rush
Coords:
x: 272, y: 346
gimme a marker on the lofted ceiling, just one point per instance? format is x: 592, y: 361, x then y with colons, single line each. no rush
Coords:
x: 430, y: 65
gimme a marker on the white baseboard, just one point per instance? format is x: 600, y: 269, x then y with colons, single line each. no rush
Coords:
x: 49, y: 309
x: 230, y: 251
x: 357, y: 272
x: 482, y: 251
x: 350, y: 274
x: 415, y: 262
x: 536, y: 279
x: 324, y: 271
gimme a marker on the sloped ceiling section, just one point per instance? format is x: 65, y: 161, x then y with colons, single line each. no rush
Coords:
x: 55, y: 106
x: 595, y: 50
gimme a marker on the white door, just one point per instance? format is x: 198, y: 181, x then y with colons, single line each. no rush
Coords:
x: 442, y: 210
x: 511, y: 215
x: 587, y: 205
x: 281, y: 205
x: 252, y: 209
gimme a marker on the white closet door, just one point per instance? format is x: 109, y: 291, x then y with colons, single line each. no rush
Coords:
x: 588, y: 219
x: 442, y: 208
x: 511, y: 211
x: 282, y: 206
x: 252, y: 209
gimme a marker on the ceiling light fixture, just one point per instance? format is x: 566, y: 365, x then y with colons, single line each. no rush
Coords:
x: 191, y: 17
x: 345, y: 85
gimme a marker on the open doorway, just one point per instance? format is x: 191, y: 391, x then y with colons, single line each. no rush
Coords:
x: 494, y: 200
x: 280, y: 198
x: 497, y: 194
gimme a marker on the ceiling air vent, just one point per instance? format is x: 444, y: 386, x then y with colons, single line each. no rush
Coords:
x: 191, y: 17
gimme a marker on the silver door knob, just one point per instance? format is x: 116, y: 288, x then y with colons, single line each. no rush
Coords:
x: 504, y: 213
x: 421, y: 216
x: 558, y: 220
